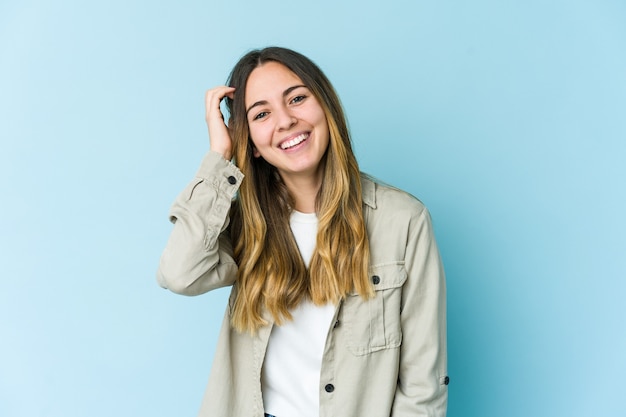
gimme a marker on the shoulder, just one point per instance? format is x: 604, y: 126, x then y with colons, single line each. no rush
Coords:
x: 394, y: 220
x: 385, y: 199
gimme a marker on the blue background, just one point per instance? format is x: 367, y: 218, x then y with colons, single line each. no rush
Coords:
x: 507, y: 118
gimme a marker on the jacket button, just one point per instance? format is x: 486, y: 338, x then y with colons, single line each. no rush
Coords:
x: 376, y: 279
x: 336, y: 324
x: 232, y: 180
x: 446, y: 381
x: 329, y: 387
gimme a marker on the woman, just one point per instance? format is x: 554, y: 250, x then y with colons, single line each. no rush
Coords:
x: 337, y: 305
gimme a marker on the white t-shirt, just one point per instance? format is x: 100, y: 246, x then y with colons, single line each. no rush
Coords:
x: 291, y: 370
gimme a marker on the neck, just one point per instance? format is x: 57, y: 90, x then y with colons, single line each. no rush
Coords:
x: 304, y: 191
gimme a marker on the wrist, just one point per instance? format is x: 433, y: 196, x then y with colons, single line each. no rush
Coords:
x: 226, y: 153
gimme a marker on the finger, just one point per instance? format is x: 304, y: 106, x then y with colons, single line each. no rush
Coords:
x: 218, y: 93
x: 213, y: 98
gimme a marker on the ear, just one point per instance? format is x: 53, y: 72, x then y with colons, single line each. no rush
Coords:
x: 255, y: 151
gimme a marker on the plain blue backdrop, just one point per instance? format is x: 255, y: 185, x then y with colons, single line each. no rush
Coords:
x: 507, y: 118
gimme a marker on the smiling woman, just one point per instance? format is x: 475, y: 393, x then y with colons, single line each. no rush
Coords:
x: 336, y: 279
x: 288, y: 128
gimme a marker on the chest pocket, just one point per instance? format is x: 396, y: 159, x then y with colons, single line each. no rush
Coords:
x: 374, y: 324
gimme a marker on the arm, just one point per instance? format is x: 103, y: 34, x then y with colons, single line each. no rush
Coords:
x: 198, y: 256
x: 422, y: 382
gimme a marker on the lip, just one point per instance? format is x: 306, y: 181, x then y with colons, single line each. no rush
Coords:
x: 292, y: 137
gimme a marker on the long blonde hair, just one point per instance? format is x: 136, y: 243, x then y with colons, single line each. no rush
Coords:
x: 271, y: 271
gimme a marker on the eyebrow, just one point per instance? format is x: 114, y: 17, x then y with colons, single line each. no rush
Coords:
x: 285, y: 93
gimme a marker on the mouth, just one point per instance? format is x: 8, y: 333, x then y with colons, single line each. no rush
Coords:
x: 295, y: 141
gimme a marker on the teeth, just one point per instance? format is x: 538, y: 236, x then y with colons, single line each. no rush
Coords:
x: 293, y: 142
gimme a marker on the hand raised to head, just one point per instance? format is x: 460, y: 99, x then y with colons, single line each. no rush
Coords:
x: 219, y: 136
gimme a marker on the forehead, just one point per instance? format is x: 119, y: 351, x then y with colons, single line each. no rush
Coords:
x: 269, y: 80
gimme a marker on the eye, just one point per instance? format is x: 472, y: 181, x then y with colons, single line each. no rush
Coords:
x: 297, y: 99
x: 260, y: 115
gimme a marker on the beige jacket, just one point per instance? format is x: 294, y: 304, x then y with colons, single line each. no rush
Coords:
x: 383, y: 357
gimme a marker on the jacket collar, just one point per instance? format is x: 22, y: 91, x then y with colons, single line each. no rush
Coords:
x: 368, y: 190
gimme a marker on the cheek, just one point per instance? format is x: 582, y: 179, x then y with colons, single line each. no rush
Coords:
x: 318, y: 113
x: 321, y: 120
x: 324, y: 125
x: 261, y: 135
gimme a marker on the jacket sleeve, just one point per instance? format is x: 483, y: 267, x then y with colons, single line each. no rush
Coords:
x: 198, y: 256
x: 422, y: 382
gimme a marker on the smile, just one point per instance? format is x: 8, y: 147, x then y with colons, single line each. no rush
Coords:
x: 295, y: 141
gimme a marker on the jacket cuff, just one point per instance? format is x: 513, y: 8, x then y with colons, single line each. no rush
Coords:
x: 215, y: 168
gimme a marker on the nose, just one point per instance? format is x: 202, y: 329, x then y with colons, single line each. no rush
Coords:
x: 284, y: 119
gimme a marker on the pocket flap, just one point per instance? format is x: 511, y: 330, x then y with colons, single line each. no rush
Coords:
x: 388, y: 275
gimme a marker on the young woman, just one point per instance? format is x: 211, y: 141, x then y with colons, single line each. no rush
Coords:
x: 337, y: 305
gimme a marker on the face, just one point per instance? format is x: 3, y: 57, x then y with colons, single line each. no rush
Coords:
x: 287, y: 124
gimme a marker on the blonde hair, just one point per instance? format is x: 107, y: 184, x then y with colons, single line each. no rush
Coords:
x: 271, y: 271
